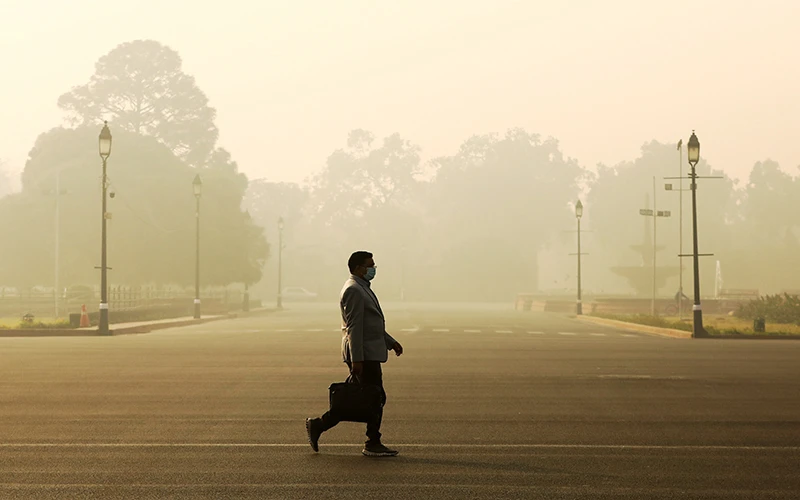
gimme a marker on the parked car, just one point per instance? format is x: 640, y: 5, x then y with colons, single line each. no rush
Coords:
x: 297, y: 293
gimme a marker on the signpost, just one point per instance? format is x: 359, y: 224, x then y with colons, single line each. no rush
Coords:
x: 655, y: 214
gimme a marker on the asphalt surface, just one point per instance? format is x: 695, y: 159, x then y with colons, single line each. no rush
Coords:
x: 486, y: 403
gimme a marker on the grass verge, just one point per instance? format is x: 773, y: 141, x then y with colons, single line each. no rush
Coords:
x: 41, y: 324
x: 714, y: 324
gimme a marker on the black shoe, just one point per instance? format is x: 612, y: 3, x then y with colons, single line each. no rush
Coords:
x: 378, y: 450
x: 313, y: 431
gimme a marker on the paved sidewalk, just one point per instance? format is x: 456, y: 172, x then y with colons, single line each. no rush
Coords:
x: 148, y: 326
x: 128, y: 328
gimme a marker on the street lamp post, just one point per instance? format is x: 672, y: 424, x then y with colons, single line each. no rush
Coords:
x: 105, y: 152
x: 197, y: 186
x: 578, y: 215
x: 694, y: 156
x: 280, y: 262
x: 680, y: 231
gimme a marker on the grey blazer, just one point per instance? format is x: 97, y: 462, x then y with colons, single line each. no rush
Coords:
x: 364, y: 336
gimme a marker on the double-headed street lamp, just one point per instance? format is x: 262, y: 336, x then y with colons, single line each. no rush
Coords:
x: 693, y: 148
x: 105, y: 152
x: 197, y: 186
x: 280, y: 262
x: 578, y: 215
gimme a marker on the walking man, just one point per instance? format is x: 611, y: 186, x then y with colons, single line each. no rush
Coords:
x: 365, y: 345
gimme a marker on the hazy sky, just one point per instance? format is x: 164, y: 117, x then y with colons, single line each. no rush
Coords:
x: 290, y: 78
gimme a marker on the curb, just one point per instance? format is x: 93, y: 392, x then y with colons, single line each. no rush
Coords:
x: 162, y: 326
x: 44, y: 332
x: 677, y: 334
x: 113, y: 331
x: 635, y: 327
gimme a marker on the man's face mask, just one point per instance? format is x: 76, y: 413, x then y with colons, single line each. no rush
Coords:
x: 370, y: 274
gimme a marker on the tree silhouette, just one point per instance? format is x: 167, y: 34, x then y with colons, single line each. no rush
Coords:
x: 5, y: 182
x: 140, y: 87
x: 151, y: 232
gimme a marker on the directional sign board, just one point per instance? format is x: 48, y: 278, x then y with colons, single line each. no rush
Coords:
x: 664, y: 213
x: 645, y: 212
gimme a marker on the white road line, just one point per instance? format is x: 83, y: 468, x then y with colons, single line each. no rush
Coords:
x: 472, y: 331
x: 536, y: 333
x: 406, y: 445
x: 566, y: 333
x: 598, y: 334
x: 503, y: 331
x: 628, y: 335
x: 314, y: 330
x: 440, y: 330
x: 285, y: 330
x: 410, y: 330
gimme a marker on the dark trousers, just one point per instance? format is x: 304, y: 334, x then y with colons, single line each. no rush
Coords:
x: 371, y: 375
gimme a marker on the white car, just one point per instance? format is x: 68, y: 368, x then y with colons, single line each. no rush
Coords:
x: 297, y: 293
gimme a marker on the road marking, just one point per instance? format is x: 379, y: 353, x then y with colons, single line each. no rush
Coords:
x: 285, y: 330
x: 406, y: 445
x: 503, y: 331
x: 410, y: 330
x: 628, y: 335
x: 598, y: 334
x: 566, y: 333
x: 314, y: 330
x: 440, y: 330
x: 536, y: 333
x: 641, y: 377
x: 472, y: 331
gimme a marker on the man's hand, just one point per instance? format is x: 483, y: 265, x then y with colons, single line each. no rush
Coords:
x: 357, y: 368
x: 397, y: 348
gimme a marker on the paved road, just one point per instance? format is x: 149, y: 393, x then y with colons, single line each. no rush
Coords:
x: 486, y: 403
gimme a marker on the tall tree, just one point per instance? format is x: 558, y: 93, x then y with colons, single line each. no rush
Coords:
x: 140, y: 87
x: 5, y: 181
x: 770, y: 205
x: 767, y: 243
x: 364, y: 179
x: 267, y: 201
x: 492, y: 207
x: 151, y: 234
x: 366, y: 196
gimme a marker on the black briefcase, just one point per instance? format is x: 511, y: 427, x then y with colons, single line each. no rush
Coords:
x: 352, y: 401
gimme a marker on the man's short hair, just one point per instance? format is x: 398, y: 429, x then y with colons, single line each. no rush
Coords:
x: 358, y: 259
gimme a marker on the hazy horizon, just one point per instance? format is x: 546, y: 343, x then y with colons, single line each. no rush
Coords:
x: 289, y: 81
